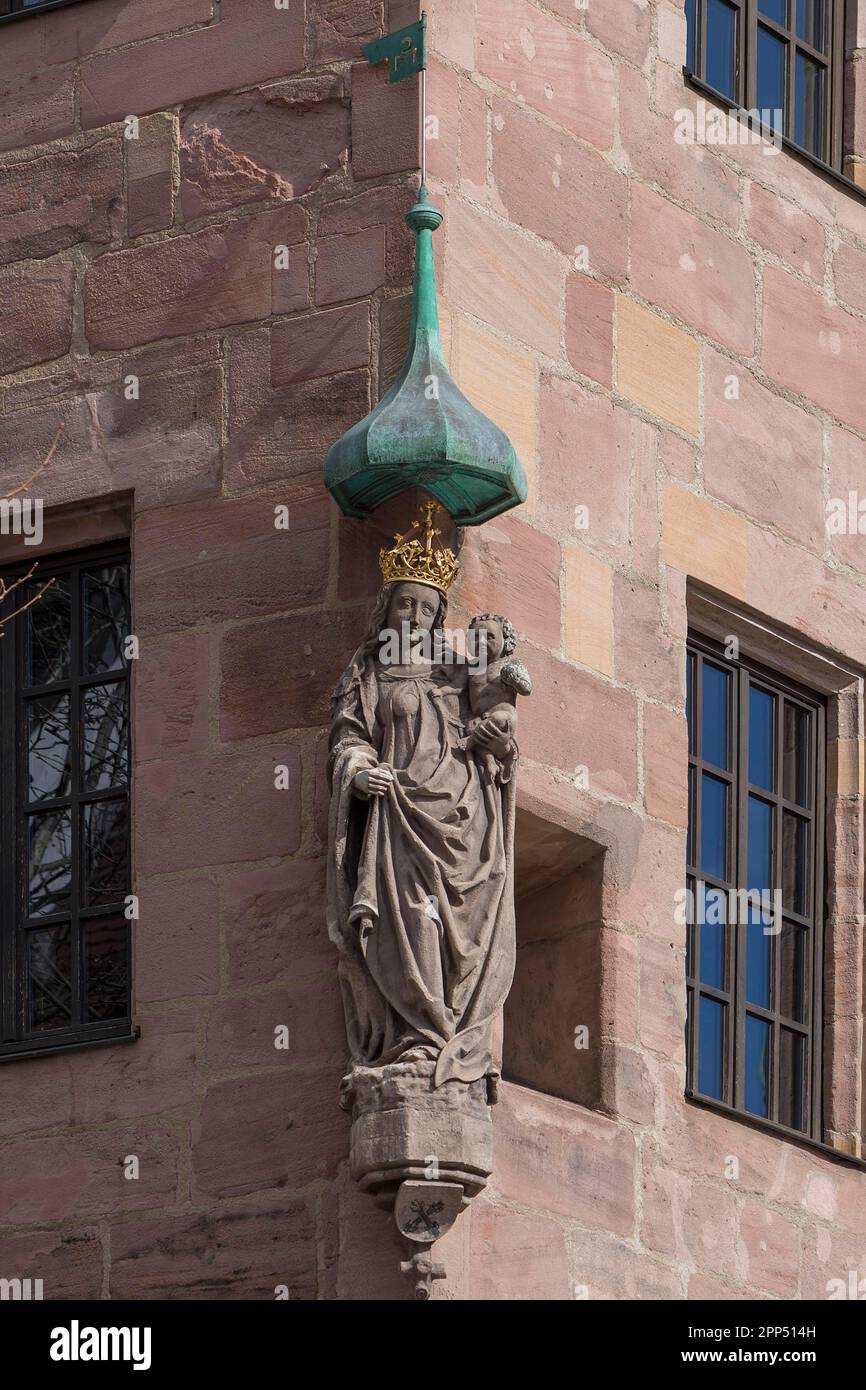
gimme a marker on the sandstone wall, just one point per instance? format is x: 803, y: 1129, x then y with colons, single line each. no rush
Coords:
x: 600, y: 284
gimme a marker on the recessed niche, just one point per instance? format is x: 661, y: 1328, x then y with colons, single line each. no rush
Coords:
x: 552, y: 1023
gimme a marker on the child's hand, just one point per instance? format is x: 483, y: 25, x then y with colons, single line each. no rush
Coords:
x: 489, y: 735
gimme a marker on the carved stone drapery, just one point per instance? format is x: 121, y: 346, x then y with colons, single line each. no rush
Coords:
x: 421, y: 900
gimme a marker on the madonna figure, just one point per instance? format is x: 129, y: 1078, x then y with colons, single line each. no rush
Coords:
x: 420, y: 895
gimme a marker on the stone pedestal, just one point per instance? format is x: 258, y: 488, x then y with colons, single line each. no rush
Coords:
x: 403, y: 1129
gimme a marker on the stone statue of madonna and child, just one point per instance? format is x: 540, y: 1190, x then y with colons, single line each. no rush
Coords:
x: 422, y: 767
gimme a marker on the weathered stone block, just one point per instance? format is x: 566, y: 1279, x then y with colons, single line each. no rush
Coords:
x: 35, y: 315
x: 243, y: 1253
x: 263, y: 1132
x: 278, y: 141
x: 225, y: 559
x: 50, y: 203
x: 250, y: 43
x: 698, y: 274
x: 195, y: 812
x: 554, y: 69
x: 218, y: 276
x: 275, y: 923
x: 79, y: 1174
x: 177, y: 941
x: 574, y: 198
x: 281, y: 674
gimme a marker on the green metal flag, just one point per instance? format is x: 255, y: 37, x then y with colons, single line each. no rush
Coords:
x: 405, y: 49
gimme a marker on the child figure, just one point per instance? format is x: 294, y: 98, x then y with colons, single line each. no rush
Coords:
x: 493, y: 690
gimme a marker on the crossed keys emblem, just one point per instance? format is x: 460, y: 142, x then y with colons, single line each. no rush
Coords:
x: 424, y: 1218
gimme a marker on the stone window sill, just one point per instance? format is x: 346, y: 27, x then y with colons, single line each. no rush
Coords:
x: 787, y: 145
x: 23, y: 1051
x: 781, y: 1131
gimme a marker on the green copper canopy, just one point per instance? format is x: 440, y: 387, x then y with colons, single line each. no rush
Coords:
x: 424, y: 432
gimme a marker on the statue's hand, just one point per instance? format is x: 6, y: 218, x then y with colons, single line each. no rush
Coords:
x: 373, y: 781
x: 490, y: 737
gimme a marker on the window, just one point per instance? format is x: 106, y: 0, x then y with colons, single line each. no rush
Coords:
x: 14, y: 9
x: 782, y: 57
x: 754, y: 901
x: 64, y: 807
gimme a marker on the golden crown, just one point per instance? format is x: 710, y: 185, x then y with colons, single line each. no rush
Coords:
x: 418, y: 558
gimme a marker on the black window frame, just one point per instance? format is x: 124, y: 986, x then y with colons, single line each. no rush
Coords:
x: 831, y: 158
x: 17, y: 1040
x: 743, y: 672
x: 15, y: 9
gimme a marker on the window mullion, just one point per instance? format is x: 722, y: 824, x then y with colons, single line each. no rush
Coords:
x: 740, y: 877
x: 835, y: 97
x: 20, y: 877
x: 750, y: 82
x: 697, y: 705
x: 814, y: 1049
x: 701, y: 51
x: 776, y: 1001
x: 75, y: 662
x: 8, y: 923
x: 791, y: 93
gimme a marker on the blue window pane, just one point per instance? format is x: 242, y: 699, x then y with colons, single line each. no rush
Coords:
x: 714, y: 716
x: 714, y: 826
x: 691, y: 35
x: 773, y: 9
x: 760, y: 874
x: 757, y: 1066
x: 722, y: 47
x: 761, y: 741
x: 759, y: 959
x: 712, y: 907
x: 711, y: 1048
x: 772, y: 53
x: 690, y: 838
x: 792, y: 1076
x: 811, y: 22
x: 690, y: 709
x: 795, y: 863
x: 809, y: 107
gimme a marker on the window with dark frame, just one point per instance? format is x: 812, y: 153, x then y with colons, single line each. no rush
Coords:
x: 754, y: 899
x: 64, y: 806
x: 15, y: 9
x: 784, y: 56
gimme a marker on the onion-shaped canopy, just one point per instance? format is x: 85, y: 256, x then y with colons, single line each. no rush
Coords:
x: 424, y: 432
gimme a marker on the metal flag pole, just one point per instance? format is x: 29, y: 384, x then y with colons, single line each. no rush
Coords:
x: 406, y: 54
x: 424, y: 114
